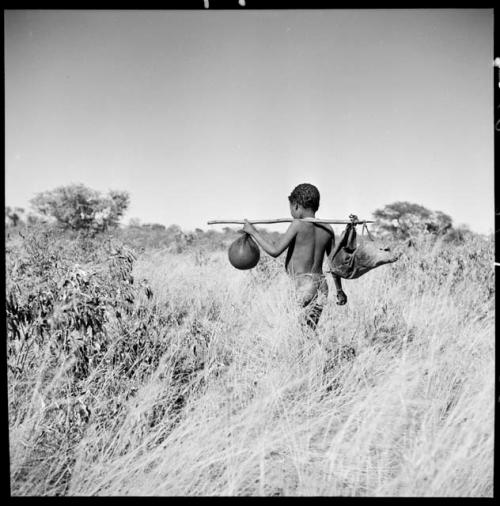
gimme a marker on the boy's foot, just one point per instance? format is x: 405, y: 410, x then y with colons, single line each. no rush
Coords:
x: 341, y: 298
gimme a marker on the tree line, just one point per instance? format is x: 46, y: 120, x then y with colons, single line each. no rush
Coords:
x: 79, y: 208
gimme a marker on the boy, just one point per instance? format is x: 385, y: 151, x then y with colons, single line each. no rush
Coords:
x: 307, y: 245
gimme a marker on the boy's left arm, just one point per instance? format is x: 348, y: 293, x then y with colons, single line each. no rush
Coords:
x: 341, y: 296
x: 268, y: 247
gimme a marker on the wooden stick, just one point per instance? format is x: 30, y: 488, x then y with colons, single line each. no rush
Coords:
x: 288, y: 220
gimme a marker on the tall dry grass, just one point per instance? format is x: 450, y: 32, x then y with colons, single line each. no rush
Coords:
x: 393, y: 396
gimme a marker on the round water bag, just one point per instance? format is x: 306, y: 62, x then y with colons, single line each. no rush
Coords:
x: 244, y: 252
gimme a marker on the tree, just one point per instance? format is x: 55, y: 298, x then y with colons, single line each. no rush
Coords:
x: 153, y: 226
x: 35, y: 219
x: 458, y: 235
x: 134, y: 223
x: 78, y: 207
x: 439, y: 223
x: 174, y: 230
x: 405, y: 219
x: 13, y: 216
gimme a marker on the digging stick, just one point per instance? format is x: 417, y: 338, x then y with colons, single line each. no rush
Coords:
x: 288, y: 220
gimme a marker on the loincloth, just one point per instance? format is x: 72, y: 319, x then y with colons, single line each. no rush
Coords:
x: 311, y: 288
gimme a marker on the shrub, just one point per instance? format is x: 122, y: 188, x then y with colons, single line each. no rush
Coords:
x: 405, y: 219
x: 63, y: 293
x: 77, y: 207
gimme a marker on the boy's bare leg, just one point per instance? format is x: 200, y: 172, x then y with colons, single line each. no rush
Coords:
x: 317, y: 304
x: 313, y: 293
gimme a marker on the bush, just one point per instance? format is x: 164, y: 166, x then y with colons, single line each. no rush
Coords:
x: 63, y: 292
x: 13, y: 216
x: 403, y: 220
x: 77, y: 207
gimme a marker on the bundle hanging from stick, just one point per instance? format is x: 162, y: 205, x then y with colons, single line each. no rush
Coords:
x: 350, y: 259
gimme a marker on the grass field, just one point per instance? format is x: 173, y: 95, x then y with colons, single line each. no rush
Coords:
x: 205, y: 382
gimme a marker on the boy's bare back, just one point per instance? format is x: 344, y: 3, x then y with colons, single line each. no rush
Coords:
x: 306, y: 244
x: 307, y: 250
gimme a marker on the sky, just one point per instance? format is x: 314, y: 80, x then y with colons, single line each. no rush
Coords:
x: 204, y: 115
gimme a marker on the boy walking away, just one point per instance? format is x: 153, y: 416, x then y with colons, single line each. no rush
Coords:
x: 307, y: 245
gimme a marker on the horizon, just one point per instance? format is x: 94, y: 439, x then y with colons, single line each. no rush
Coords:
x: 126, y: 219
x: 136, y: 222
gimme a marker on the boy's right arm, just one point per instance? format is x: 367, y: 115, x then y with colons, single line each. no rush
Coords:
x: 269, y: 248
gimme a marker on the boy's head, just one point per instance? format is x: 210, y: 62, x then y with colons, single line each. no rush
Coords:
x: 306, y: 196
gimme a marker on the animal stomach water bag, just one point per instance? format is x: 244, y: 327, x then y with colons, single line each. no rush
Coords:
x: 244, y: 253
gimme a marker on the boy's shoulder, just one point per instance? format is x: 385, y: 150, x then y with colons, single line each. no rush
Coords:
x: 326, y: 227
x: 329, y: 229
x: 299, y: 224
x: 304, y: 225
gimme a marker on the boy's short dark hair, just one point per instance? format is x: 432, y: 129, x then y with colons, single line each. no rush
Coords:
x: 306, y: 195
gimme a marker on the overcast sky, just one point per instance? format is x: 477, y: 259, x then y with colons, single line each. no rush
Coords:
x: 218, y: 114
